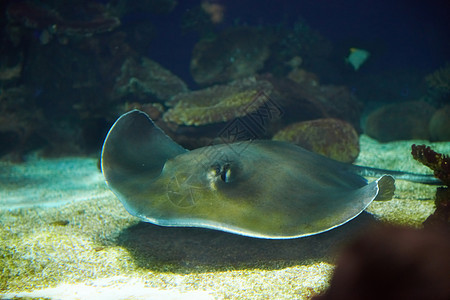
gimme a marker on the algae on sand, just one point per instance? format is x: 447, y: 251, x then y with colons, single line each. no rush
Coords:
x: 83, y: 242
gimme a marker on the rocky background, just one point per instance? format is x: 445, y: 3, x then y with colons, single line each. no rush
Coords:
x: 206, y: 72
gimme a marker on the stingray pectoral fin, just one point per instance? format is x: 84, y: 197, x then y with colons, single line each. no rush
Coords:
x: 134, y: 153
x: 348, y: 205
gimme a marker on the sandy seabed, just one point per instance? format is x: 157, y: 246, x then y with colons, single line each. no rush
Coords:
x: 64, y: 235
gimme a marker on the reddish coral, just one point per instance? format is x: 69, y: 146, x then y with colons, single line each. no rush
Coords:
x: 439, y: 163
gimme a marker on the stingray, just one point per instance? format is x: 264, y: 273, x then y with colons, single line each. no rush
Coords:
x: 260, y: 188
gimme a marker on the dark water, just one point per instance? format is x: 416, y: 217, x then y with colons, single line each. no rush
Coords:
x: 405, y: 34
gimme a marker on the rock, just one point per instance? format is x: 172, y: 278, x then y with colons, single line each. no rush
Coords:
x: 234, y: 54
x: 305, y: 99
x: 439, y: 126
x: 400, y: 121
x: 219, y: 103
x: 145, y: 79
x: 333, y: 138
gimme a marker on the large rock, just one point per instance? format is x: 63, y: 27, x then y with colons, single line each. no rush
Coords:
x: 400, y: 121
x: 147, y: 79
x: 305, y: 99
x: 333, y: 138
x: 219, y: 103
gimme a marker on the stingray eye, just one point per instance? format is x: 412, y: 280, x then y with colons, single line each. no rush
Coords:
x: 225, y: 173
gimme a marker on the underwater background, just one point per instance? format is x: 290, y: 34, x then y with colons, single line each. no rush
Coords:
x: 357, y: 81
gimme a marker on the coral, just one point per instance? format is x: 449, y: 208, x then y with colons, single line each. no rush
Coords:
x: 400, y: 121
x: 440, y: 79
x: 147, y: 79
x: 439, y: 163
x: 393, y: 263
x: 333, y: 138
x: 95, y: 18
x: 218, y: 103
x: 234, y: 54
x: 439, y: 126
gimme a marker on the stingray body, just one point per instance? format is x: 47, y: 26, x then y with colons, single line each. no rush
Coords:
x: 263, y: 189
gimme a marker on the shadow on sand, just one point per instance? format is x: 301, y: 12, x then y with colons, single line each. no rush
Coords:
x: 182, y: 250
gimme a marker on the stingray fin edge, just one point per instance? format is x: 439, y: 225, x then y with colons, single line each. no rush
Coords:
x: 135, y: 145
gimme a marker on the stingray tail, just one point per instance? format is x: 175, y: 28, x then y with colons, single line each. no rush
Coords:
x: 412, y: 177
x: 386, y: 188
